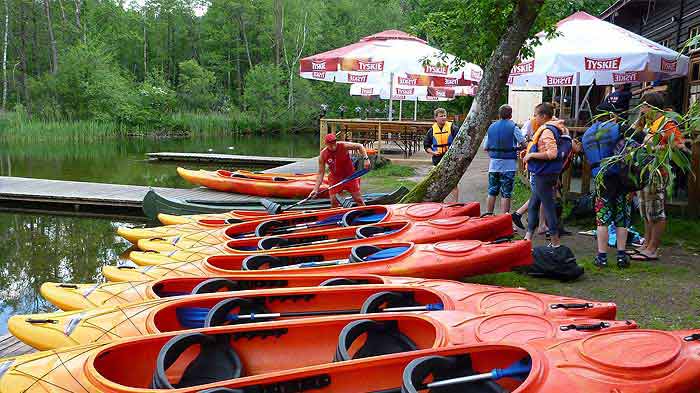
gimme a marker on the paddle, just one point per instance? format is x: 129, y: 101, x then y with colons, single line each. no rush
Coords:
x: 383, y: 254
x: 518, y: 369
x: 276, y: 208
x: 194, y: 317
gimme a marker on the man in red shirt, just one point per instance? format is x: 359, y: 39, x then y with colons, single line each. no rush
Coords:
x: 337, y: 156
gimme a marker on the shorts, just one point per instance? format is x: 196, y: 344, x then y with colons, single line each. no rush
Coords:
x: 615, y: 210
x: 652, y: 201
x: 351, y: 186
x: 501, y: 182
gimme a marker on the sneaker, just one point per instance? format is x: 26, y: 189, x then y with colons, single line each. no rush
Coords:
x: 600, y: 262
x: 623, y: 261
x: 564, y: 232
x: 517, y: 220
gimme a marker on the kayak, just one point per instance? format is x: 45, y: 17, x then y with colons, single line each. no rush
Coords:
x: 484, y: 299
x: 171, y: 209
x: 275, y: 187
x: 59, y: 329
x: 206, y: 358
x: 262, y: 175
x: 230, y: 228
x: 446, y: 260
x: 460, y: 227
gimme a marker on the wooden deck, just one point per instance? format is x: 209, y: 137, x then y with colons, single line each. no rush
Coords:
x: 11, y: 346
x: 230, y: 159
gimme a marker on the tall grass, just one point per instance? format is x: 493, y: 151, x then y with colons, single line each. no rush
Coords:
x: 18, y: 126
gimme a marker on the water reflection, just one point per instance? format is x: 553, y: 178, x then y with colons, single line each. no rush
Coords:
x: 39, y: 248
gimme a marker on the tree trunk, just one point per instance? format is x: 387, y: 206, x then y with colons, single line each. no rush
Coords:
x: 241, y: 22
x: 145, y: 48
x: 63, y: 12
x: 78, y: 5
x: 279, y: 26
x: 4, y: 57
x: 23, y: 52
x: 445, y: 176
x: 54, y: 50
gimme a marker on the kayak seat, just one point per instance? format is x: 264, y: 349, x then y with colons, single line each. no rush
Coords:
x: 369, y: 231
x: 342, y: 281
x: 215, y: 362
x: 382, y: 338
x: 441, y: 368
x: 361, y: 217
x: 255, y: 262
x: 381, y: 300
x: 220, y: 314
x: 268, y: 243
x: 373, y: 253
x: 215, y: 285
x: 266, y: 227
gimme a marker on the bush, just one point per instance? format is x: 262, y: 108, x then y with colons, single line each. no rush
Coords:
x: 265, y: 93
x: 196, y: 87
x: 89, y: 85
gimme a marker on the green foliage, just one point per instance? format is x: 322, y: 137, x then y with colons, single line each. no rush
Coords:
x: 196, y: 86
x: 89, y: 85
x: 265, y: 92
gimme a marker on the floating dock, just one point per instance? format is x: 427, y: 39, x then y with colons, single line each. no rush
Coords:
x: 230, y: 159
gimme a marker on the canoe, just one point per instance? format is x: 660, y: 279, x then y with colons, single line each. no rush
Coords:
x: 155, y: 204
x: 454, y: 259
x: 206, y: 358
x: 60, y: 329
x: 484, y: 299
x: 275, y: 187
x: 231, y: 228
x: 460, y: 227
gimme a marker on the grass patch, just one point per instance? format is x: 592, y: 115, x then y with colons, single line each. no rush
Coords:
x: 388, y: 178
x: 682, y: 232
x: 655, y: 295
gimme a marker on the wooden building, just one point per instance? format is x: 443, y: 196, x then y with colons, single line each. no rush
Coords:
x: 670, y: 23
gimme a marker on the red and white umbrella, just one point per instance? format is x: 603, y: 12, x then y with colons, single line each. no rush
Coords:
x: 395, y: 59
x: 587, y: 49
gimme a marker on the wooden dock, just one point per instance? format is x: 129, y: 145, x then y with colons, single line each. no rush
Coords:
x: 11, y: 346
x: 229, y: 159
x: 107, y: 200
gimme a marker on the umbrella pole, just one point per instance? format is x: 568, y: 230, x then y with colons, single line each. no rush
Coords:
x: 561, y: 102
x: 400, y: 109
x: 415, y: 109
x: 578, y: 84
x: 391, y: 96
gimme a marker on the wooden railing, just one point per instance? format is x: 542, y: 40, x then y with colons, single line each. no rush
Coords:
x: 407, y: 135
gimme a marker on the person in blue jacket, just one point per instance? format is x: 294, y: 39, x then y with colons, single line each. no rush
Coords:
x: 603, y: 140
x: 502, y: 142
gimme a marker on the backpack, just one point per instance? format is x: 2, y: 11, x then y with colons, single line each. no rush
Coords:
x: 628, y: 177
x: 555, y: 262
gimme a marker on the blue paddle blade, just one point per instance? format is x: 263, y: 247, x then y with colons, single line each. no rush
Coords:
x: 329, y: 220
x: 368, y: 219
x: 519, y: 369
x: 386, y: 253
x: 192, y: 317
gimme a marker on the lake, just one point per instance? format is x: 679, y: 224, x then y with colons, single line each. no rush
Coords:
x: 39, y: 248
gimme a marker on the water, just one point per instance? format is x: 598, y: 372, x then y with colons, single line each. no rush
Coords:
x: 39, y: 248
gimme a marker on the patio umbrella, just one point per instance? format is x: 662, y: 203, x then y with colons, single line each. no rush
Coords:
x: 415, y: 94
x: 587, y: 50
x: 391, y: 58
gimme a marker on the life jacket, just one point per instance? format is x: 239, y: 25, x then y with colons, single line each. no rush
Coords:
x: 599, y: 143
x: 501, y: 140
x: 442, y: 138
x: 564, y: 152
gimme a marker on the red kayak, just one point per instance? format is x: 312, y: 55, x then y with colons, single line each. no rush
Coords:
x: 226, y: 229
x: 206, y: 358
x: 448, y: 260
x: 486, y: 228
x: 482, y: 299
x: 59, y: 329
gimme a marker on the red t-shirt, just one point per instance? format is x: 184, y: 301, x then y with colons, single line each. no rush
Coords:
x: 338, y: 162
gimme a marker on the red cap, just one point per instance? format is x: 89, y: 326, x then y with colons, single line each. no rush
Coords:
x: 330, y: 138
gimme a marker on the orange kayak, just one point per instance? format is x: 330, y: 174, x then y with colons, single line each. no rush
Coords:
x: 463, y: 227
x: 210, y: 357
x: 482, y: 299
x: 59, y: 329
x: 261, y: 175
x: 276, y: 187
x: 223, y: 229
x: 446, y: 260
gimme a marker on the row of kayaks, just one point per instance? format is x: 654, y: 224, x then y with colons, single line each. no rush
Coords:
x: 327, y: 308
